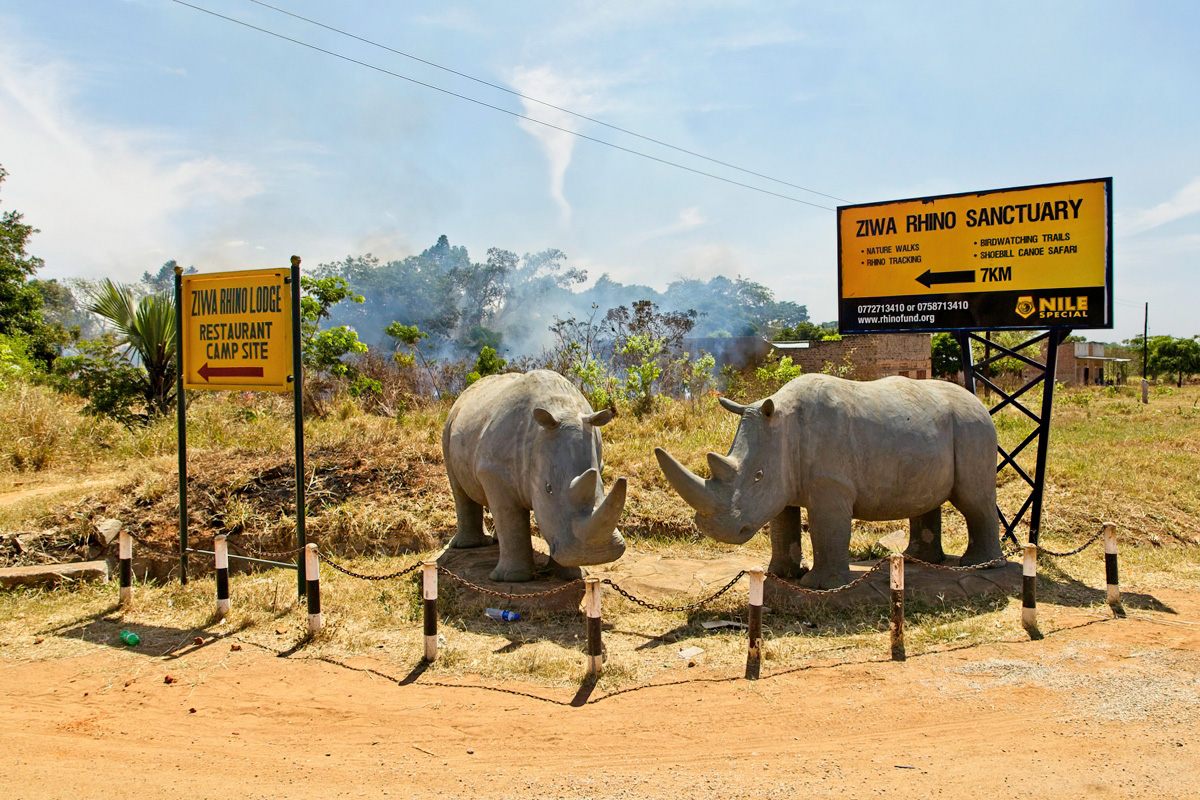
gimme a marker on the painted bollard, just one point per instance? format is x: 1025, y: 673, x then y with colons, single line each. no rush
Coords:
x: 595, y: 647
x: 1110, y: 569
x: 1029, y: 590
x: 221, y: 561
x: 754, y: 654
x: 429, y: 592
x: 313, y: 587
x: 125, y: 556
x: 897, y: 603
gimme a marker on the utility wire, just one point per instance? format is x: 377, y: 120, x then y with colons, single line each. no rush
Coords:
x: 543, y: 102
x: 502, y: 110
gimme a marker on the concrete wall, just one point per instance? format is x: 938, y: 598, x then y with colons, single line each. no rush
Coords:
x: 866, y: 357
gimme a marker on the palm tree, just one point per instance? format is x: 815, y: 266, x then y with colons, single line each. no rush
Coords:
x: 147, y: 329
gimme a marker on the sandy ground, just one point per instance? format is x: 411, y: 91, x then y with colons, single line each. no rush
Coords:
x: 1099, y: 708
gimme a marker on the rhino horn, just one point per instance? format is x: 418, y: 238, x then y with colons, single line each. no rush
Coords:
x: 723, y: 469
x: 583, y: 489
x: 598, y: 527
x: 729, y: 405
x: 689, y: 485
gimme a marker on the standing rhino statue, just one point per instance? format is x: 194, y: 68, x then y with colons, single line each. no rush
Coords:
x: 530, y: 442
x: 888, y: 449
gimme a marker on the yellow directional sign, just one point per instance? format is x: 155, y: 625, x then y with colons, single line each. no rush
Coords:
x: 1031, y: 257
x: 237, y: 330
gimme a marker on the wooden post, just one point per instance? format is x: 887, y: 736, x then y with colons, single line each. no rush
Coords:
x: 1029, y: 590
x: 1110, y: 568
x: 125, y: 557
x: 595, y: 647
x: 429, y: 589
x: 221, y: 561
x: 312, y: 586
x: 754, y: 654
x: 897, y: 565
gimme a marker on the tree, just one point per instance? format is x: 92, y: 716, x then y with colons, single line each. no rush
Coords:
x: 146, y: 328
x: 945, y: 355
x: 409, y: 337
x: 807, y: 332
x: 323, y: 350
x: 1178, y: 357
x: 20, y: 301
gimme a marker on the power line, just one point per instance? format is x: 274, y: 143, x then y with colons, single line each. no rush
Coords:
x: 542, y: 102
x: 502, y: 110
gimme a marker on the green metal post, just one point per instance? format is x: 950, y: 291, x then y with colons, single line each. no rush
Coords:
x: 298, y: 415
x: 181, y: 414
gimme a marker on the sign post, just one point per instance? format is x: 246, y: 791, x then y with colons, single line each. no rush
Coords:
x: 237, y: 331
x: 1028, y: 258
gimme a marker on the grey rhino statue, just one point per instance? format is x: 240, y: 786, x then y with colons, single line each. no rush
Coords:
x: 521, y: 442
x: 887, y: 449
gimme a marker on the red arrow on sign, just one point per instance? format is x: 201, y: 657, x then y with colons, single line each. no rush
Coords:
x: 229, y: 372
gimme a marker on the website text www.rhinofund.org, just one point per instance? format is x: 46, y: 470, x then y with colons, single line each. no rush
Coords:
x: 891, y: 319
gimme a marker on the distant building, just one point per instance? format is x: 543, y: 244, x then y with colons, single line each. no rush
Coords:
x: 1084, y: 364
x: 860, y: 356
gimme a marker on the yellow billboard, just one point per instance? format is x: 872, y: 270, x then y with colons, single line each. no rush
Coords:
x: 237, y: 330
x: 1030, y: 257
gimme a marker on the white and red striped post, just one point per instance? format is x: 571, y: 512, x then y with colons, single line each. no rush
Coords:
x: 221, y: 561
x: 312, y: 567
x: 754, y: 653
x: 1029, y: 590
x: 429, y: 590
x: 896, y: 562
x: 595, y: 647
x: 1110, y: 568
x: 125, y: 559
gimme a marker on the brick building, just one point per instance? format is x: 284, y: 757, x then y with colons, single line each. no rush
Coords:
x: 860, y: 356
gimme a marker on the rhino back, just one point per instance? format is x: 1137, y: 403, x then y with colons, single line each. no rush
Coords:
x: 892, y: 441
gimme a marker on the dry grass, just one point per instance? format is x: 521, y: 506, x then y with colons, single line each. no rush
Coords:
x: 377, y: 488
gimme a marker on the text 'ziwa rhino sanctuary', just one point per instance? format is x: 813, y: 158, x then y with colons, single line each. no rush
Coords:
x: 522, y: 442
x: 893, y: 448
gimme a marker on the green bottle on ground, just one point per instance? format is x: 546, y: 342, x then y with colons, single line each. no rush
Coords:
x: 130, y: 638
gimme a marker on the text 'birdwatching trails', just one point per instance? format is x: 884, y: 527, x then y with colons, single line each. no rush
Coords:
x: 237, y: 330
x: 1032, y: 257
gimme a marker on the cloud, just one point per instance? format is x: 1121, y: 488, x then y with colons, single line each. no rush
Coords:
x: 108, y: 199
x: 689, y: 218
x: 1184, y: 203
x: 763, y: 37
x: 558, y: 146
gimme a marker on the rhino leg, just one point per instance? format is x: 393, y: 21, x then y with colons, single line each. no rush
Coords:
x: 925, y: 537
x: 470, y: 531
x: 983, y: 528
x: 787, y: 556
x: 516, y: 543
x: 829, y: 529
x: 565, y: 573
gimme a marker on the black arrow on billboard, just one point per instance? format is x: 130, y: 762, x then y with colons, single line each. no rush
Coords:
x: 960, y: 276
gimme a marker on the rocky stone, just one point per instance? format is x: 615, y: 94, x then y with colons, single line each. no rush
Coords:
x: 107, y: 530
x: 46, y: 574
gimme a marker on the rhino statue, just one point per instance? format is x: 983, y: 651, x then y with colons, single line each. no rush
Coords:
x: 530, y: 442
x: 893, y: 448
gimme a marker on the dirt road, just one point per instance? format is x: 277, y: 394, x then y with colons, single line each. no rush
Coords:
x: 1100, y: 708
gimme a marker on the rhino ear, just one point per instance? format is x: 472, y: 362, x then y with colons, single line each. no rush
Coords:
x: 545, y: 419
x: 731, y: 406
x: 599, y: 418
x: 768, y: 407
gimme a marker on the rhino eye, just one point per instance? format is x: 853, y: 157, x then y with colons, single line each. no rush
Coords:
x: 549, y: 489
x: 758, y: 475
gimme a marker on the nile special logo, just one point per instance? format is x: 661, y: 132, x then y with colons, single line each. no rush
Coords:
x: 1025, y: 306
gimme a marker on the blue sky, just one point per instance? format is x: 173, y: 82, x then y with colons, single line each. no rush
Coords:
x: 136, y: 131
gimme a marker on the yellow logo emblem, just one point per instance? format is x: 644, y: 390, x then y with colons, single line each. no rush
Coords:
x: 1025, y: 306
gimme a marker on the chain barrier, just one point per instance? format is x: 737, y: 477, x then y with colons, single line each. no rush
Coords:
x: 507, y: 595
x: 154, y: 548
x: 1079, y: 549
x: 688, y: 607
x: 389, y: 576
x: 254, y: 551
x: 995, y: 562
x: 876, y: 567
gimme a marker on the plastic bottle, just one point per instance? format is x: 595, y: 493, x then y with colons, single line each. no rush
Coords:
x: 130, y: 638
x: 507, y: 616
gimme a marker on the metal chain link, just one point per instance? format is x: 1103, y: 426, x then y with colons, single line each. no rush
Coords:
x: 154, y: 548
x: 688, y: 607
x: 389, y: 576
x: 1079, y: 549
x: 507, y: 595
x: 254, y: 551
x: 804, y: 590
x: 995, y: 562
